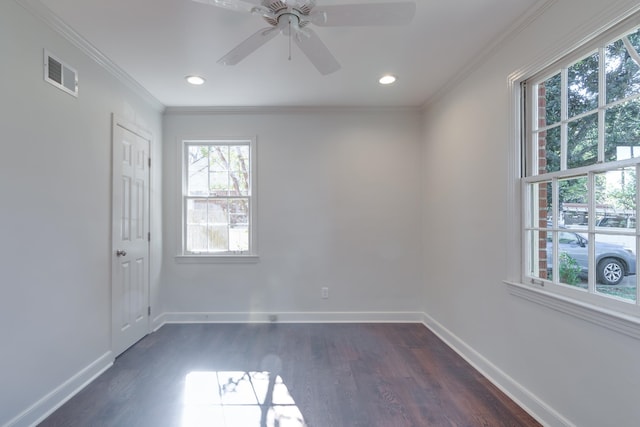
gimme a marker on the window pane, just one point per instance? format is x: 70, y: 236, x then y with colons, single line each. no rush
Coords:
x: 616, y: 208
x: 615, y: 233
x: 622, y: 136
x: 541, y: 205
x: 626, y: 290
x: 541, y: 254
x: 218, y: 233
x: 617, y: 191
x: 623, y: 73
x: 549, y: 101
x: 613, y: 266
x: 573, y: 200
x: 219, y: 171
x: 549, y: 149
x: 197, y: 170
x: 573, y: 257
x: 574, y: 215
x: 582, y: 86
x: 582, y: 142
x: 218, y: 158
x: 196, y: 215
x: 219, y: 183
x: 239, y: 170
x: 239, y: 212
x: 239, y: 225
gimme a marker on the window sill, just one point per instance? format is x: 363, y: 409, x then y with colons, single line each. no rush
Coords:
x: 619, y: 322
x: 217, y: 259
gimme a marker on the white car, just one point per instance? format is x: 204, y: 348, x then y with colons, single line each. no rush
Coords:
x: 618, y: 230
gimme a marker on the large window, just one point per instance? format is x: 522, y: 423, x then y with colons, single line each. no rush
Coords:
x: 581, y: 163
x: 218, y: 197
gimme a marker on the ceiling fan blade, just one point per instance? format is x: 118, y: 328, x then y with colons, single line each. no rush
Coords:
x: 371, y: 14
x: 239, y: 5
x: 316, y: 51
x: 248, y: 46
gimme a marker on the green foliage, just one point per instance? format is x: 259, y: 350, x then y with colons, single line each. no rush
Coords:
x: 569, y: 269
x: 601, y: 189
x: 624, y: 197
x: 622, y: 120
x: 582, y: 91
x: 552, y: 99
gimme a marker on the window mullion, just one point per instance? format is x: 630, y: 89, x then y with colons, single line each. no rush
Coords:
x: 591, y: 222
x: 637, y: 276
x: 250, y: 222
x: 208, y: 197
x: 533, y: 130
x: 602, y: 102
x: 228, y: 200
x: 564, y: 113
x: 555, y: 198
x: 184, y: 222
x: 185, y: 195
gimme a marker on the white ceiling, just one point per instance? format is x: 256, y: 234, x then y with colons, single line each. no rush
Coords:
x: 159, y: 42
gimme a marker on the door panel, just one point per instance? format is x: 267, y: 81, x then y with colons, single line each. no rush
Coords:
x: 130, y: 279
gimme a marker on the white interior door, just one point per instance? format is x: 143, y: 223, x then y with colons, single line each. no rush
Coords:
x: 130, y: 248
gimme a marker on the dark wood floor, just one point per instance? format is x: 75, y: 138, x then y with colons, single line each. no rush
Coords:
x: 278, y: 375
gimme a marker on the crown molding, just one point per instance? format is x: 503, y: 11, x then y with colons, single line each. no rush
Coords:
x: 329, y: 109
x: 53, y: 21
x: 530, y: 16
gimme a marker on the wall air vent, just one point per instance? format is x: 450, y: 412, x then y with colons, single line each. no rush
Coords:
x: 60, y: 75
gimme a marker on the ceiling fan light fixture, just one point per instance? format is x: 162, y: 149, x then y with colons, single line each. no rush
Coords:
x: 387, y: 79
x: 195, y: 80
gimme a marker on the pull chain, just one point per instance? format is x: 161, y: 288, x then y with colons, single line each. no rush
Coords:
x: 289, y: 38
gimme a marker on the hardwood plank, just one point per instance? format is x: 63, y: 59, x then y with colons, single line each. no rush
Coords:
x: 314, y: 375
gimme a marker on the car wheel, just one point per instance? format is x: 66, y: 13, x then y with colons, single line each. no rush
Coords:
x: 610, y: 271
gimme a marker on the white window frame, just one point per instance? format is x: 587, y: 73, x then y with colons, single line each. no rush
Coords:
x: 251, y: 255
x: 623, y: 317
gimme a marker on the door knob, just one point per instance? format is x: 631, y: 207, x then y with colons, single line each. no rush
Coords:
x: 121, y: 252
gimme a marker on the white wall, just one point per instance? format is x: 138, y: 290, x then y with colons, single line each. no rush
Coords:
x: 569, y: 370
x: 339, y: 206
x: 55, y: 216
x: 343, y: 198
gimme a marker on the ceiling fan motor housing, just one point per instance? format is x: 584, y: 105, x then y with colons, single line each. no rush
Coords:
x: 279, y: 9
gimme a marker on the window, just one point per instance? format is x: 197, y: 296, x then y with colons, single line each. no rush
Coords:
x: 218, y: 198
x: 581, y: 163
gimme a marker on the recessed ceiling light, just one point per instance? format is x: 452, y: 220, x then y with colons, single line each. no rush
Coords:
x: 387, y: 79
x: 195, y: 80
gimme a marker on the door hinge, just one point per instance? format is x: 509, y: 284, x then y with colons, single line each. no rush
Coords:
x: 149, y: 311
x: 149, y: 236
x: 149, y: 161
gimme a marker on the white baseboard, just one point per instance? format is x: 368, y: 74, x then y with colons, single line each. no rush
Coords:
x: 289, y: 317
x: 157, y: 322
x: 531, y: 403
x: 44, y: 407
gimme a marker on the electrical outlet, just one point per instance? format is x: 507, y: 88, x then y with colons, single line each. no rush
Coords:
x: 324, y: 293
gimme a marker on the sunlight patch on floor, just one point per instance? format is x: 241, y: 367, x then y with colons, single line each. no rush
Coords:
x: 238, y: 398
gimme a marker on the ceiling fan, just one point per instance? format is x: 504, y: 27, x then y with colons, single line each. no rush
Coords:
x: 292, y: 18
